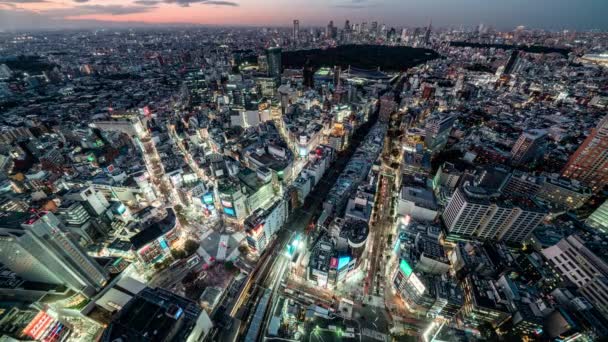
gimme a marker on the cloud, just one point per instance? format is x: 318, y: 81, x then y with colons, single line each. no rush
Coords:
x: 95, y: 10
x: 354, y: 4
x: 22, y: 1
x: 187, y: 3
x: 147, y: 2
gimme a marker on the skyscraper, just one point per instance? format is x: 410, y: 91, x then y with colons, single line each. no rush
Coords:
x: 473, y: 212
x: 511, y: 62
x: 37, y: 248
x: 93, y: 200
x: 427, y: 34
x: 296, y: 30
x: 438, y: 129
x: 328, y: 29
x: 589, y: 164
x: 528, y: 146
x: 274, y: 62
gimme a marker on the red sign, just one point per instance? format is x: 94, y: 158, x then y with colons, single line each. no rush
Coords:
x: 38, y: 325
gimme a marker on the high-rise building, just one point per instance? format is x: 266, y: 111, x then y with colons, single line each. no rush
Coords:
x: 274, y: 62
x: 563, y: 193
x: 571, y: 259
x: 93, y: 200
x: 37, y: 248
x: 472, y: 212
x: 263, y: 224
x: 158, y: 315
x: 589, y: 164
x: 427, y: 34
x: 509, y: 66
x: 438, y: 130
x: 599, y: 218
x: 296, y: 30
x: 528, y: 146
x: 374, y: 28
x: 329, y: 31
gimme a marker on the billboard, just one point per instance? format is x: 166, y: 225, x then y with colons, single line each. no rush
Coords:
x: 37, y: 326
x: 163, y: 243
x: 417, y: 284
x: 230, y: 212
x: 343, y: 261
x: 208, y: 198
x: 121, y: 209
x: 405, y: 267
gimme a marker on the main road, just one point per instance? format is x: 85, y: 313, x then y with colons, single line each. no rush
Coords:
x: 269, y: 275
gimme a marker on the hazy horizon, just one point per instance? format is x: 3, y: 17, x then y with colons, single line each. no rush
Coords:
x: 19, y: 15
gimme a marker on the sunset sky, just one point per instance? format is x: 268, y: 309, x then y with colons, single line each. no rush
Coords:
x: 551, y: 14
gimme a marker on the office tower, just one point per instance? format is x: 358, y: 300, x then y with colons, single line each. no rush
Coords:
x: 296, y: 30
x: 599, y: 218
x: 309, y: 75
x: 465, y: 210
x: 528, y: 146
x: 472, y: 212
x: 37, y: 248
x: 158, y: 315
x: 511, y: 62
x: 374, y: 28
x: 337, y: 76
x: 519, y: 183
x: 274, y: 62
x: 427, y: 34
x: 589, y: 164
x: 93, y: 200
x: 438, y: 129
x: 329, y: 30
x: 571, y: 259
x: 563, y: 193
x: 263, y: 63
x: 363, y: 27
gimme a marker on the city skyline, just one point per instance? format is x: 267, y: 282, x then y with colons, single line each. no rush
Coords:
x: 351, y: 170
x: 544, y: 14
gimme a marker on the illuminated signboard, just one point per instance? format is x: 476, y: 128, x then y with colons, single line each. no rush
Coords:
x: 38, y: 325
x: 230, y: 212
x: 226, y: 204
x: 163, y: 243
x: 343, y: 261
x: 417, y: 284
x: 208, y: 198
x: 405, y: 267
x: 121, y: 209
x: 333, y: 263
x: 396, y: 247
x: 257, y: 231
